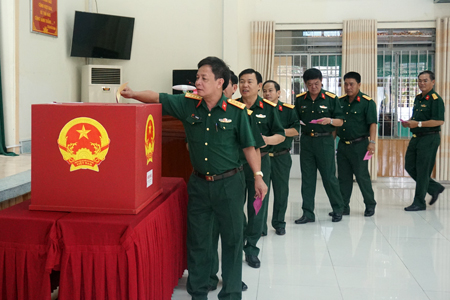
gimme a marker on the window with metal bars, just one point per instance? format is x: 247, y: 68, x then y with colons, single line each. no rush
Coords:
x: 298, y: 50
x: 402, y: 55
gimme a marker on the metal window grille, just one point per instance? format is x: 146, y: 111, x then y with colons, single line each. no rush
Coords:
x: 296, y: 51
x: 402, y: 55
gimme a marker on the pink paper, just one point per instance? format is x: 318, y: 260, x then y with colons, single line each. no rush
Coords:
x: 257, y: 203
x: 403, y: 121
x: 313, y: 121
x: 368, y: 156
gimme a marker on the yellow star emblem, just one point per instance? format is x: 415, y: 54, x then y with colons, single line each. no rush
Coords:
x: 83, y: 133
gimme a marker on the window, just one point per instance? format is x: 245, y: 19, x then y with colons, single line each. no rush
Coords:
x: 402, y: 55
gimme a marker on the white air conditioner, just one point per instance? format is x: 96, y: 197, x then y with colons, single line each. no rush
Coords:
x: 99, y: 83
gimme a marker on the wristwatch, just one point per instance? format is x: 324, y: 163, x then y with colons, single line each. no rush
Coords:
x: 258, y: 173
x: 420, y: 124
x: 372, y: 141
x: 331, y: 121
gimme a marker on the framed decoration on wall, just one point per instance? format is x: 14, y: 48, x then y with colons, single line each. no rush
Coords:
x: 44, y: 17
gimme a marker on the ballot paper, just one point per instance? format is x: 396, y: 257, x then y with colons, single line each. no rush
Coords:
x: 119, y: 90
x: 368, y: 156
x: 302, y: 123
x: 314, y: 121
x: 257, y: 203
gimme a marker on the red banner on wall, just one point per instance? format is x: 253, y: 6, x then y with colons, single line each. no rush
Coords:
x: 44, y: 16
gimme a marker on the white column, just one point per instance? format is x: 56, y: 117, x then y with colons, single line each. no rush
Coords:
x: 9, y: 66
x: 230, y: 34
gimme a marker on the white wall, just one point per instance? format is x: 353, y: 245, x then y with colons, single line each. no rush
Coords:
x: 46, y: 72
x: 329, y: 11
x: 171, y: 35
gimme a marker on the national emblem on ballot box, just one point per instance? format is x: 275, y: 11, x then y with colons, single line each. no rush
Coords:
x: 95, y: 157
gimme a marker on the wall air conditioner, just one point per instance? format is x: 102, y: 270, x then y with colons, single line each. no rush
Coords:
x: 99, y: 83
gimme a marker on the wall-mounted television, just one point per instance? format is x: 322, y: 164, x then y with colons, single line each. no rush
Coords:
x: 102, y: 36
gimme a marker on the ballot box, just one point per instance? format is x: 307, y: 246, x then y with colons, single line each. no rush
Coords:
x: 92, y: 157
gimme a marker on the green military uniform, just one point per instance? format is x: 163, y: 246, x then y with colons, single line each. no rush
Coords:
x: 280, y: 164
x: 352, y: 148
x: 421, y: 153
x: 215, y: 138
x: 268, y: 121
x: 213, y: 279
x: 317, y: 150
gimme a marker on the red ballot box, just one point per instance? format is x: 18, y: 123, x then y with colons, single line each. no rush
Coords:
x: 103, y: 158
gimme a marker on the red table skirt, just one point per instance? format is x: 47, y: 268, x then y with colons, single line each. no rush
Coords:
x: 102, y: 256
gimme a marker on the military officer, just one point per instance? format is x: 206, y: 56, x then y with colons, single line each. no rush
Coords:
x: 213, y: 279
x: 272, y: 131
x: 280, y: 158
x: 425, y: 124
x: 360, y: 124
x: 321, y: 113
x: 216, y: 128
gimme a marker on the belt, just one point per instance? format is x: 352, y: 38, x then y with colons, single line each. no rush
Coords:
x: 279, y: 153
x: 355, y: 140
x: 424, y: 133
x: 220, y: 176
x: 264, y: 153
x: 316, y: 134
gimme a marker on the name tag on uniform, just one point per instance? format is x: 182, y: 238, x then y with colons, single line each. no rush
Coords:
x: 225, y: 120
x: 323, y: 106
x: 260, y: 116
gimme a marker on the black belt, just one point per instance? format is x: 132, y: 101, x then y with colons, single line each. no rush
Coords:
x: 316, y: 134
x: 220, y: 176
x: 355, y: 140
x: 264, y: 153
x: 279, y: 153
x: 424, y: 133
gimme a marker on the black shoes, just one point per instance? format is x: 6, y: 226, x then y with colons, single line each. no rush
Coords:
x: 252, y: 261
x: 244, y: 287
x: 346, y: 212
x: 369, y: 212
x: 280, y: 231
x: 435, y: 196
x: 213, y: 288
x: 303, y: 220
x: 336, y: 217
x: 414, y: 207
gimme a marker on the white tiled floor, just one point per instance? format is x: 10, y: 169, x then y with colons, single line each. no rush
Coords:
x: 11, y: 165
x: 393, y: 255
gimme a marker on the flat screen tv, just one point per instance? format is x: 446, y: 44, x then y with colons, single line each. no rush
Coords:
x: 102, y: 36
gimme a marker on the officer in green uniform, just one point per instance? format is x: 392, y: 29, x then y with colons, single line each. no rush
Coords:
x: 265, y: 114
x: 216, y: 128
x: 320, y: 113
x: 425, y: 124
x: 360, y: 124
x: 213, y: 279
x: 280, y: 158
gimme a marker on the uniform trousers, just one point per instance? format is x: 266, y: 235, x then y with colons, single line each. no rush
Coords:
x: 280, y: 170
x: 419, y: 163
x: 222, y: 200
x: 350, y: 160
x: 318, y: 153
x: 254, y: 225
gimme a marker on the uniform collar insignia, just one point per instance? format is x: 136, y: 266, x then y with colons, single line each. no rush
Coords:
x: 261, y: 104
x: 427, y: 97
x: 198, y: 104
x: 224, y: 105
x: 280, y: 107
x: 323, y: 96
x: 358, y: 99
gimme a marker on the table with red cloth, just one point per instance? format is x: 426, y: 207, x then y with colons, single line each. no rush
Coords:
x: 100, y: 256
